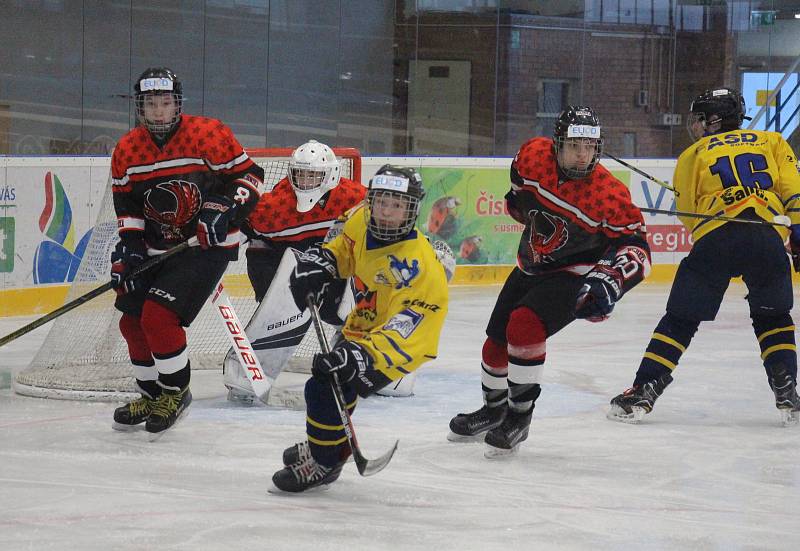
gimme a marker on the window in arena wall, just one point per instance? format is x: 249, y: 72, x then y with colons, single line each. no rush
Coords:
x: 553, y: 97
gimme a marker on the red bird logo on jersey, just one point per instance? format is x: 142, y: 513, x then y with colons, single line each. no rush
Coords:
x: 172, y: 204
x: 366, y: 300
x: 544, y: 243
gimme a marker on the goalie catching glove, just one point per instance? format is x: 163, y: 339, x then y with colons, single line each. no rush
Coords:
x: 128, y: 255
x: 314, y: 274
x: 346, y: 360
x: 214, y: 221
x: 605, y: 284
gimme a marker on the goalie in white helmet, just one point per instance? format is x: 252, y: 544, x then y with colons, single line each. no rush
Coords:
x: 298, y: 212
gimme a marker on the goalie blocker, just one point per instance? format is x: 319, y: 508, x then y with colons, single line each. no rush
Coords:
x: 277, y: 327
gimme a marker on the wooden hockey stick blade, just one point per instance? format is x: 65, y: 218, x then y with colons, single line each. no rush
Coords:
x: 96, y: 292
x: 783, y: 221
x: 248, y: 360
x: 366, y: 467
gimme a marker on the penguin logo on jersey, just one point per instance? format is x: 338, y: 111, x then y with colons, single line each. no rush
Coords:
x: 173, y: 205
x: 548, y: 234
x: 402, y: 271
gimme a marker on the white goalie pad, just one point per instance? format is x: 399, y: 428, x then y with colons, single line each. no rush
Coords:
x: 275, y: 330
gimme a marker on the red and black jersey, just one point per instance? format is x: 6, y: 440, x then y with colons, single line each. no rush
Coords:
x: 569, y: 224
x: 158, y: 192
x: 275, y: 218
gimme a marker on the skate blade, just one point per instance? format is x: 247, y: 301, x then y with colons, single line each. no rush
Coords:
x: 618, y: 414
x: 790, y: 418
x: 154, y: 436
x: 453, y: 437
x: 500, y: 453
x: 274, y: 490
x: 240, y: 398
x: 126, y: 428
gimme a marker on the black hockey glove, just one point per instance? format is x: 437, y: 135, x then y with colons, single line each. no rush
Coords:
x: 513, y: 208
x: 314, y: 273
x: 794, y: 245
x: 346, y: 360
x: 214, y: 220
x: 128, y: 255
x: 601, y: 290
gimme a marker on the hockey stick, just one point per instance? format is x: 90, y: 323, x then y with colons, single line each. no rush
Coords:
x: 643, y: 173
x: 366, y: 467
x: 241, y: 343
x: 783, y: 221
x: 155, y: 261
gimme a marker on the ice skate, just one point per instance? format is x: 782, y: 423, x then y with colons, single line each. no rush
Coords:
x: 470, y: 427
x: 504, y: 440
x: 168, y: 409
x: 305, y: 474
x: 295, y: 453
x: 786, y: 399
x: 632, y: 405
x: 133, y: 414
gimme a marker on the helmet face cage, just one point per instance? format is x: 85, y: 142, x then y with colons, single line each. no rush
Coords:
x: 150, y: 93
x: 394, y: 198
x: 577, y: 126
x: 313, y: 171
x: 719, y: 110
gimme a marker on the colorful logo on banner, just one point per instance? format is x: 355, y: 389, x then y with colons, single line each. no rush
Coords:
x: 467, y: 209
x: 57, y: 258
x: 6, y: 244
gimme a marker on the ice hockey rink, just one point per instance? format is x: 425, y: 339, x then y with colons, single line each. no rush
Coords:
x: 711, y: 468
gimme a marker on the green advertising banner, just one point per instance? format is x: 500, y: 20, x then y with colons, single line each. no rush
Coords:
x: 6, y: 244
x: 465, y: 207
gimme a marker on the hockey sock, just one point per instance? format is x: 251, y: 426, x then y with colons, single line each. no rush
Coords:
x: 670, y: 340
x: 775, y: 336
x: 167, y: 340
x: 526, y: 336
x: 327, y: 440
x: 144, y: 368
x: 494, y: 371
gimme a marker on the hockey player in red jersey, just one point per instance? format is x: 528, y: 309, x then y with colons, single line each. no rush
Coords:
x: 582, y: 248
x: 174, y: 176
x: 298, y: 212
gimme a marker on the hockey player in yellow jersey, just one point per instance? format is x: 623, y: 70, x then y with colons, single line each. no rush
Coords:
x: 401, y: 297
x: 732, y: 172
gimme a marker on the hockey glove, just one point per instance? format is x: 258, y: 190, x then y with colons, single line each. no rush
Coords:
x: 794, y: 246
x: 314, y: 273
x: 513, y: 208
x: 214, y: 220
x: 346, y: 360
x: 601, y: 290
x: 128, y: 255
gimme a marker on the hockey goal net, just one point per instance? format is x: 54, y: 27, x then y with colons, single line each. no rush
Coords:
x: 84, y: 356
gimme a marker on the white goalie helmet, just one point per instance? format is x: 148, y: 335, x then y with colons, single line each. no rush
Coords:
x: 313, y: 171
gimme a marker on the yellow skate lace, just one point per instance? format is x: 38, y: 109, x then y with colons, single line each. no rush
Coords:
x: 167, y: 404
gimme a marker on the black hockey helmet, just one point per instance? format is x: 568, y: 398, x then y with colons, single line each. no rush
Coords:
x: 579, y: 124
x: 158, y: 81
x: 717, y: 110
x: 392, y: 189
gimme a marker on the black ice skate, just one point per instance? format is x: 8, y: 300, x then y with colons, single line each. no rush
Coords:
x: 295, y: 453
x: 168, y: 409
x: 305, y: 474
x: 505, y: 439
x: 786, y: 399
x: 466, y: 427
x: 132, y: 414
x: 632, y: 405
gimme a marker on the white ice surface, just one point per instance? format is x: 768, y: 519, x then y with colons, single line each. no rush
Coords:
x: 711, y: 468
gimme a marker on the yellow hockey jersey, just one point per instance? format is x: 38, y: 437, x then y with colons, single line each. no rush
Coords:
x: 400, y: 293
x: 726, y: 173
